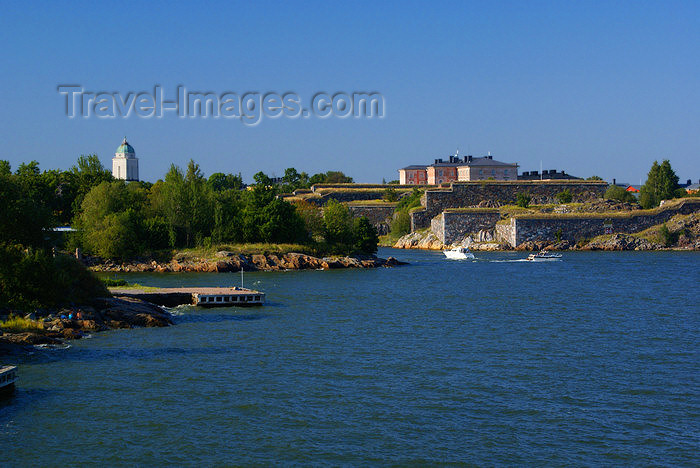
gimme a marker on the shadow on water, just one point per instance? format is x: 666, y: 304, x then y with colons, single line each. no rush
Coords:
x: 217, y: 318
x: 125, y: 354
x: 21, y: 399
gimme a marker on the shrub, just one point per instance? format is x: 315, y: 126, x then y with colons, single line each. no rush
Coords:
x: 523, y: 200
x: 32, y: 278
x: 615, y: 192
x: 410, y: 201
x: 667, y: 237
x: 564, y: 197
x: 681, y: 193
x: 390, y: 195
x: 111, y: 282
x: 401, y: 224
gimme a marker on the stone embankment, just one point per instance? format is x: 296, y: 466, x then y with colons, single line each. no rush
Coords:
x: 684, y: 234
x: 74, y: 323
x: 232, y: 262
x: 483, y: 240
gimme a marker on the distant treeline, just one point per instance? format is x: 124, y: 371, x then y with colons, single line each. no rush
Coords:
x: 117, y: 219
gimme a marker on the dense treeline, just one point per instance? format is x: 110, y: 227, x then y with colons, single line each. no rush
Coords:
x: 185, y: 209
x: 31, y: 204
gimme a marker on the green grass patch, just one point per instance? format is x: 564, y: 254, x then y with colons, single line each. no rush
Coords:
x: 134, y: 287
x: 376, y: 202
x: 17, y: 324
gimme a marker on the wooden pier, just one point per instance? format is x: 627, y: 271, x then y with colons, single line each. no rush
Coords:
x: 205, y: 297
x: 8, y: 377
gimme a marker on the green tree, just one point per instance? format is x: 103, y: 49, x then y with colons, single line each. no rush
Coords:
x: 282, y: 223
x: 312, y: 216
x: 24, y: 217
x: 262, y: 179
x: 661, y: 184
x: 220, y: 182
x: 110, y: 220
x: 365, y: 236
x: 5, y: 168
x: 291, y: 177
x: 337, y: 177
x: 330, y: 177
x: 594, y: 177
x: 337, y: 223
x: 88, y: 173
x: 227, y: 217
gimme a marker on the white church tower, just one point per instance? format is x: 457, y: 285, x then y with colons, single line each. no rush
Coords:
x: 124, y: 163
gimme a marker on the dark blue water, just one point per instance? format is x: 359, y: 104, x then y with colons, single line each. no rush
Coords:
x: 591, y: 360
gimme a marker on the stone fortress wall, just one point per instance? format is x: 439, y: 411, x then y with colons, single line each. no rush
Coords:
x: 450, y: 226
x: 575, y: 228
x: 465, y: 194
x: 379, y: 216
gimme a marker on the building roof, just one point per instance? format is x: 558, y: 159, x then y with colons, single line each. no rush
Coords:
x: 446, y: 164
x: 414, y: 167
x: 125, y: 147
x: 693, y: 187
x: 485, y: 161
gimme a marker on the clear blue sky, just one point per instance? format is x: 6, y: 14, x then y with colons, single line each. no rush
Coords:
x: 590, y: 87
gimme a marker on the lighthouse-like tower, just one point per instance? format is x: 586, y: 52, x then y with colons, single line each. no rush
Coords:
x: 125, y: 165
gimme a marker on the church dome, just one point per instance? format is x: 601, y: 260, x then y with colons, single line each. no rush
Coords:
x: 125, y: 147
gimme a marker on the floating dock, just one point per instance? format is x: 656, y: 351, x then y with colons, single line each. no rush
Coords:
x: 8, y: 377
x: 205, y: 297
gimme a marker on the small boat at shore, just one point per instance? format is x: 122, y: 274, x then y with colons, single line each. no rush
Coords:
x: 543, y: 256
x: 458, y: 253
x: 8, y: 377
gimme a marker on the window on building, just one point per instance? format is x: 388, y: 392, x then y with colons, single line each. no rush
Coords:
x: 493, y: 171
x: 481, y: 172
x: 440, y: 172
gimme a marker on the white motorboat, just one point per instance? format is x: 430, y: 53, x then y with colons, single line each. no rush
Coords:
x: 543, y: 256
x: 458, y: 253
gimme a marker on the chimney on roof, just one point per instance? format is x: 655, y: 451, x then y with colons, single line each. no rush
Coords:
x: 436, y: 161
x: 690, y: 181
x: 490, y: 157
x: 469, y: 158
x: 614, y: 181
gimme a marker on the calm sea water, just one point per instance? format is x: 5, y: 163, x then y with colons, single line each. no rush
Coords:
x: 587, y: 361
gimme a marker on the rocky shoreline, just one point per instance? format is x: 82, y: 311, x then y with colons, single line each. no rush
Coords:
x: 76, y: 322
x: 232, y: 262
